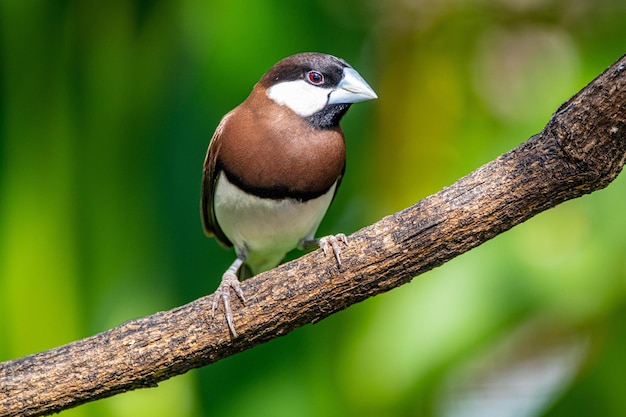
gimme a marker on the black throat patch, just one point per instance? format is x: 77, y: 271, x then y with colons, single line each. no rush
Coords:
x: 328, y: 117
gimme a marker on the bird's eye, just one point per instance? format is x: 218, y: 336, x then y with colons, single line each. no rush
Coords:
x: 315, y: 78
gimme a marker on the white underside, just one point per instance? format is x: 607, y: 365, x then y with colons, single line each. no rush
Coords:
x: 266, y: 228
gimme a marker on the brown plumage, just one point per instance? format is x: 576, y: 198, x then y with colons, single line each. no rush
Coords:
x: 270, y: 152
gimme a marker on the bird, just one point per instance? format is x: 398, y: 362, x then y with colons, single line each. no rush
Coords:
x: 274, y: 164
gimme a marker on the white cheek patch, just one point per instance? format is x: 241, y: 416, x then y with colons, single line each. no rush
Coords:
x: 301, y: 97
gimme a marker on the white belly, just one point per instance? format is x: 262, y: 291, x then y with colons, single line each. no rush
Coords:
x: 266, y: 228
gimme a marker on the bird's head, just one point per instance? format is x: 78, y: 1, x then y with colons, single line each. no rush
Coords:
x: 318, y: 87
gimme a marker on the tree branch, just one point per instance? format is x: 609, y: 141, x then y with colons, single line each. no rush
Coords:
x: 582, y: 149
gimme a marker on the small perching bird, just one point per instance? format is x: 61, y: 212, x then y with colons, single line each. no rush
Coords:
x: 275, y: 163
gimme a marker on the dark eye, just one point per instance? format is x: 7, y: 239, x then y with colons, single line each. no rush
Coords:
x: 314, y: 77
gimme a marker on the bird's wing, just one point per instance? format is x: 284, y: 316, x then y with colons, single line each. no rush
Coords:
x: 210, y: 173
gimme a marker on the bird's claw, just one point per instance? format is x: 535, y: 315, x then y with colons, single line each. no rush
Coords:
x: 333, y: 242
x: 229, y: 280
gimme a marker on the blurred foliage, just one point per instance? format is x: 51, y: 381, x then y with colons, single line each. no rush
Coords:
x: 106, y: 110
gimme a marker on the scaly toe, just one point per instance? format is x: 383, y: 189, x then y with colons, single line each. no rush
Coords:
x: 333, y: 242
x: 229, y: 280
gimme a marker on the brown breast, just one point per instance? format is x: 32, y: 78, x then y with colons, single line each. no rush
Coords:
x: 272, y: 152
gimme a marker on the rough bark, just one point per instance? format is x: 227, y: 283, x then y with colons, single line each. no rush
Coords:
x: 582, y: 149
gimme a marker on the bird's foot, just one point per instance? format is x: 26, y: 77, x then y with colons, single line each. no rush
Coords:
x: 229, y: 280
x: 332, y: 242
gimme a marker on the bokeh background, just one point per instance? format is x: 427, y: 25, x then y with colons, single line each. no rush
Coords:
x: 106, y: 110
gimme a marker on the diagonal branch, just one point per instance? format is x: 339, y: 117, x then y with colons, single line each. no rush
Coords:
x: 582, y: 149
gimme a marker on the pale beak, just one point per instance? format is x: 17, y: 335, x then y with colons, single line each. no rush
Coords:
x: 351, y: 89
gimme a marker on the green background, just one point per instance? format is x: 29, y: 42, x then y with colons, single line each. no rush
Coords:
x: 106, y: 110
